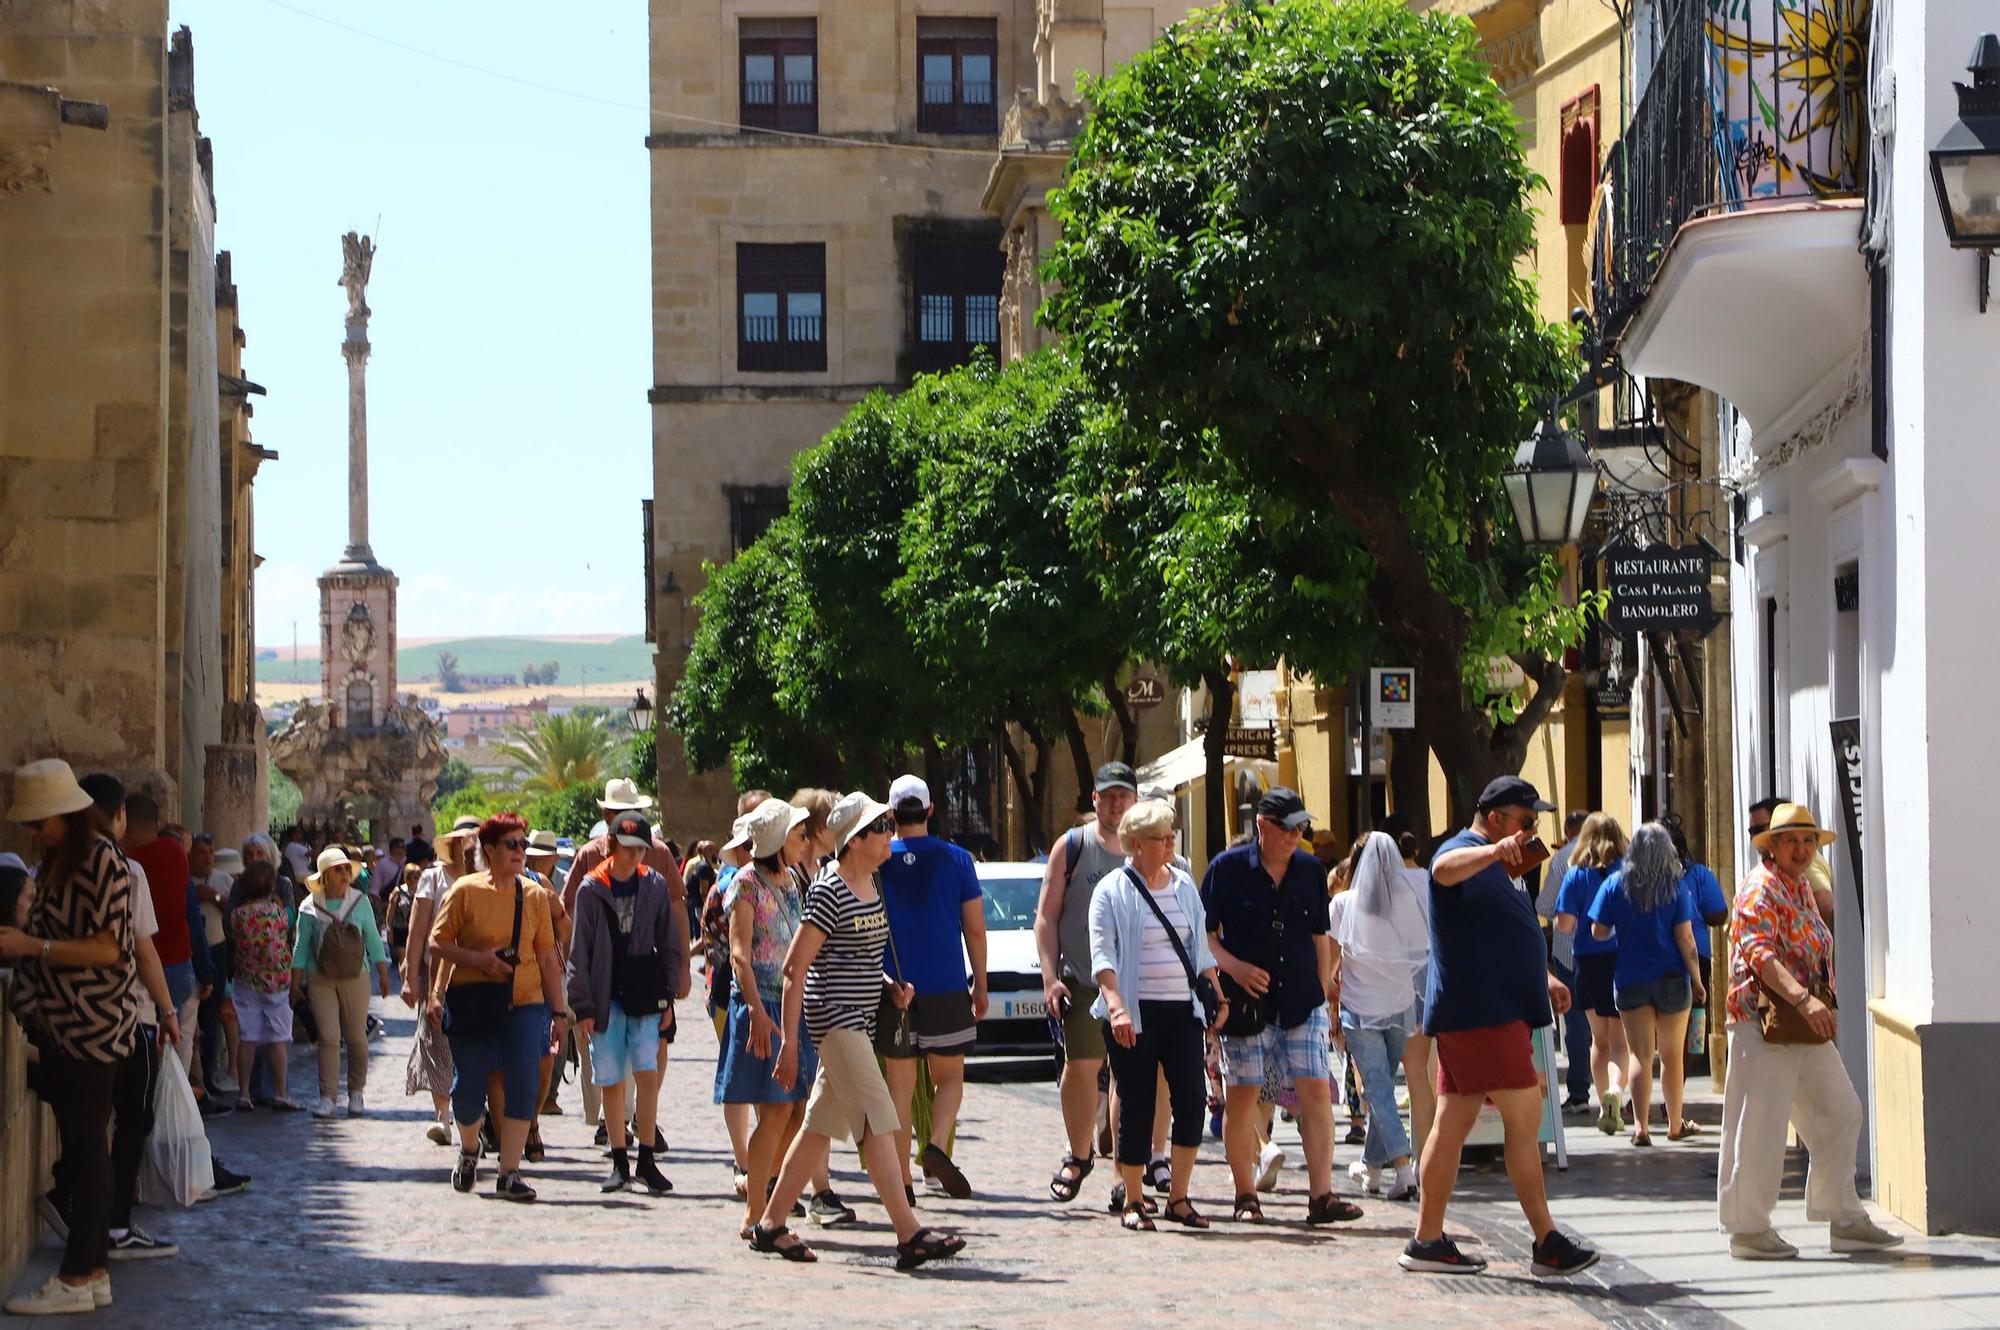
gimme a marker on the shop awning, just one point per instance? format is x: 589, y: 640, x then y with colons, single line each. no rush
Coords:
x: 1180, y: 768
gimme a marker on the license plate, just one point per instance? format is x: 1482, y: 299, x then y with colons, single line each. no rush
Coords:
x: 1023, y: 1007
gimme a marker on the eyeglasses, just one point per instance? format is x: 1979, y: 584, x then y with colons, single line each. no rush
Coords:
x: 880, y: 826
x: 516, y: 844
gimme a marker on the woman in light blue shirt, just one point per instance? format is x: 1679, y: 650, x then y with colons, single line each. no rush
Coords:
x: 1148, y: 942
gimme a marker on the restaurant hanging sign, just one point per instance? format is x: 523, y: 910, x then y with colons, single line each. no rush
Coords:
x: 1662, y: 588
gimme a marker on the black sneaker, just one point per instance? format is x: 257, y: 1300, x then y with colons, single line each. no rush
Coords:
x: 464, y: 1171
x: 227, y: 1180
x: 511, y: 1187
x: 211, y: 1107
x: 1439, y: 1257
x: 829, y: 1211
x: 1558, y: 1254
x: 603, y: 1136
x: 620, y: 1176
x: 649, y: 1176
x: 139, y: 1245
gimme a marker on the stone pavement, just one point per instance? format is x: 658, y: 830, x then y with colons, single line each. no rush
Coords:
x: 353, y: 1223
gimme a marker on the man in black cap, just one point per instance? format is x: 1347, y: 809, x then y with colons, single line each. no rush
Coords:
x: 1267, y: 925
x: 1490, y: 987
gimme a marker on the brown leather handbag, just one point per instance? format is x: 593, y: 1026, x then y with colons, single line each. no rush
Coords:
x: 1783, y: 1023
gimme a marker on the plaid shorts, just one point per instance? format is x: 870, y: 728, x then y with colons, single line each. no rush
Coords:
x: 1284, y: 1056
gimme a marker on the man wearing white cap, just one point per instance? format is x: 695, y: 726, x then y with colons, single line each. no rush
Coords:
x: 937, y: 918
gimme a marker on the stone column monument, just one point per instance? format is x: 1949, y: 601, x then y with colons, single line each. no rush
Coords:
x: 356, y: 753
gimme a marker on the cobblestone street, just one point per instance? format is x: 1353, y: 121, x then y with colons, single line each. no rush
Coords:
x: 353, y: 1222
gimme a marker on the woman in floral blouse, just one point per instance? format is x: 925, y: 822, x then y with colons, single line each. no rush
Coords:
x: 1779, y: 947
x: 260, y: 935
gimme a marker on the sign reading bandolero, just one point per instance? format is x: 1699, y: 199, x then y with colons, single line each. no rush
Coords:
x: 1660, y: 588
x: 1260, y: 741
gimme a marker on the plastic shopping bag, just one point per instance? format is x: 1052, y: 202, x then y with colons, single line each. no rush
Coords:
x: 178, y: 1167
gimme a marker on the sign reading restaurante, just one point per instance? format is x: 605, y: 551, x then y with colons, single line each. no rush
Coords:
x: 1659, y: 589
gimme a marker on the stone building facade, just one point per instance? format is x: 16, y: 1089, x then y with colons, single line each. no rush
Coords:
x: 126, y: 463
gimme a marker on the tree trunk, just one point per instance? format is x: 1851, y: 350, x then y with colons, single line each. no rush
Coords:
x: 1079, y: 755
x: 1221, y: 705
x: 1128, y: 725
x: 1410, y: 779
x: 1024, y: 789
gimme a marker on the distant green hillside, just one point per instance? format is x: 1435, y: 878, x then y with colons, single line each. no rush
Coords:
x: 625, y: 658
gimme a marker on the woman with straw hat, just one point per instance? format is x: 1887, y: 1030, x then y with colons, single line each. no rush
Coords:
x: 337, y: 942
x: 1783, y: 1066
x: 73, y: 993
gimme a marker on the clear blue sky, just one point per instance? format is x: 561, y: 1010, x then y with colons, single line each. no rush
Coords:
x: 509, y: 438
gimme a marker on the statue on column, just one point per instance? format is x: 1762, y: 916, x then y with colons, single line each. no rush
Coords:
x: 357, y: 257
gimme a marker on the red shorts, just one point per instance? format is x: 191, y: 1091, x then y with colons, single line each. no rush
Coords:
x: 1492, y: 1057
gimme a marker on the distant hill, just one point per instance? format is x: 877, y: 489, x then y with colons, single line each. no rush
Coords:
x: 581, y: 661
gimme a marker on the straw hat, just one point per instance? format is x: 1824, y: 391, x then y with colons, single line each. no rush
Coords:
x: 620, y: 794
x: 543, y: 842
x: 46, y: 789
x: 1791, y: 817
x: 331, y: 856
x: 850, y: 815
x: 229, y: 861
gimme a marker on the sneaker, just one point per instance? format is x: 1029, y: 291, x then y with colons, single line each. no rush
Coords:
x: 620, y: 1176
x: 511, y: 1187
x: 212, y: 1107
x: 54, y: 1298
x: 1270, y: 1160
x: 1765, y: 1246
x: 45, y: 1206
x: 227, y: 1180
x: 464, y: 1171
x: 222, y: 1083
x: 376, y: 1030
x: 648, y: 1175
x: 1403, y: 1186
x: 139, y: 1245
x: 1357, y: 1132
x: 603, y: 1136
x: 1439, y: 1257
x: 1608, y: 1119
x: 828, y: 1211
x: 436, y: 1134
x: 1861, y: 1234
x: 324, y: 1108
x: 1576, y: 1107
x: 1559, y: 1254
x: 100, y: 1291
x: 355, y: 1107
x: 1366, y: 1176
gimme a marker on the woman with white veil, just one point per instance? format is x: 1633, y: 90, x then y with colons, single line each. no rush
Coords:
x: 1381, y: 934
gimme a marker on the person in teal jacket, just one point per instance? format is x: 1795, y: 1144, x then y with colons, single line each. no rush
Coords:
x: 329, y: 922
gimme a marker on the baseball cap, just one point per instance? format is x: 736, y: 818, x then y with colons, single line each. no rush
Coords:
x: 1284, y: 807
x: 909, y: 792
x: 631, y: 828
x: 1116, y: 776
x: 1513, y: 792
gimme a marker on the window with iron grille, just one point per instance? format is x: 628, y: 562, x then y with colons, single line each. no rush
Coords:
x: 956, y: 284
x: 752, y: 509
x: 957, y: 76
x: 780, y: 308
x: 779, y: 73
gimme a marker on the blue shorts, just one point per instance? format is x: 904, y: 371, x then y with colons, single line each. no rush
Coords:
x: 622, y: 1045
x: 516, y: 1054
x: 1301, y: 1053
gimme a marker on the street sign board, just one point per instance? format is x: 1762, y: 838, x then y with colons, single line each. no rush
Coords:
x: 1255, y: 741
x: 1143, y: 692
x: 1661, y: 588
x: 1392, y: 698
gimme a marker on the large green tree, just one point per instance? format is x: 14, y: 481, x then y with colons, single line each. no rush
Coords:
x: 1292, y: 245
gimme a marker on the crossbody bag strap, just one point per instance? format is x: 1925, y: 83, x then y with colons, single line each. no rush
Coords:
x: 1180, y: 950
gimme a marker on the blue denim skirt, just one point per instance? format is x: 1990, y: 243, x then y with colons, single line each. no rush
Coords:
x: 741, y: 1077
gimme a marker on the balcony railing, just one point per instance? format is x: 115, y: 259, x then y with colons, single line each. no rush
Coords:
x: 1749, y: 103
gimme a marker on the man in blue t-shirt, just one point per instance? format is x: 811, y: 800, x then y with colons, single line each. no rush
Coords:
x: 1490, y: 987
x: 937, y: 918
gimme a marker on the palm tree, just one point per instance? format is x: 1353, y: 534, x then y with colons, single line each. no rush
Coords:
x: 557, y: 752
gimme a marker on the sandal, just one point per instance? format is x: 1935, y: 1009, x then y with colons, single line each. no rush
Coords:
x: 284, y: 1105
x: 245, y: 1104
x: 1688, y: 1127
x: 1330, y: 1208
x: 926, y: 1245
x: 766, y: 1240
x: 1063, y: 1186
x: 1117, y: 1205
x: 1135, y: 1218
x: 1248, y: 1209
x: 1183, y: 1212
x: 1642, y: 1139
x: 1159, y: 1175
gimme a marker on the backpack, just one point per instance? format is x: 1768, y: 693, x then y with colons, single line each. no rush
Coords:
x: 340, y: 948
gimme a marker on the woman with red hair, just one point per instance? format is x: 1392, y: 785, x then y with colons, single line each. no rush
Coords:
x: 491, y: 992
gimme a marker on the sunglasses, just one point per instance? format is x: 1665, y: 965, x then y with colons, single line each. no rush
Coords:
x: 516, y: 844
x: 880, y: 826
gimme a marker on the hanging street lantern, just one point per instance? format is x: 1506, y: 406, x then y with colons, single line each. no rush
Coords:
x: 1550, y: 484
x: 641, y: 712
x: 1965, y: 164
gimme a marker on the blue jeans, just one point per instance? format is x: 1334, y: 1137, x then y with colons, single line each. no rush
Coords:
x: 1576, y: 1037
x: 180, y: 986
x: 516, y: 1054
x: 1377, y: 1054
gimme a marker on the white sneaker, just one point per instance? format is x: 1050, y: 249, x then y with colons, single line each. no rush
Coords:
x: 1861, y: 1234
x: 1269, y: 1161
x: 324, y: 1108
x: 436, y: 1134
x: 1366, y: 1176
x: 55, y: 1298
x: 1403, y: 1186
x: 1765, y: 1246
x: 355, y: 1108
x: 100, y: 1290
x: 222, y: 1083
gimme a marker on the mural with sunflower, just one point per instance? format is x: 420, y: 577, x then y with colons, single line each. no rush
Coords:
x: 1788, y: 81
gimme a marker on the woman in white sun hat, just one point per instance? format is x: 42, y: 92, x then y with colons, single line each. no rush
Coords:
x: 337, y: 942
x: 73, y: 993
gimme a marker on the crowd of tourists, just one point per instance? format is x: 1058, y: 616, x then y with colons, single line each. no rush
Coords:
x: 844, y: 952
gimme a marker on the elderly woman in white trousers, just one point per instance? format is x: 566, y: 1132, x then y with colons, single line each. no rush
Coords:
x: 1781, y: 952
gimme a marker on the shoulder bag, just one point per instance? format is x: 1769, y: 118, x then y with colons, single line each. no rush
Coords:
x: 478, y: 1010
x: 901, y: 1039
x: 1783, y: 1023
x: 1248, y: 1013
x: 1211, y: 1001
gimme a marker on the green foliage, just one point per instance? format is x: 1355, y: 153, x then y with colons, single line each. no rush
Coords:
x: 570, y: 811
x: 283, y: 797
x: 474, y: 800
x: 449, y: 678
x: 643, y: 757
x: 557, y: 752
x: 455, y: 777
x: 541, y: 674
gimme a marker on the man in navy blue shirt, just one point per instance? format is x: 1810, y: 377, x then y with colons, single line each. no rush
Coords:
x: 1267, y: 925
x: 937, y: 918
x: 1490, y: 987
